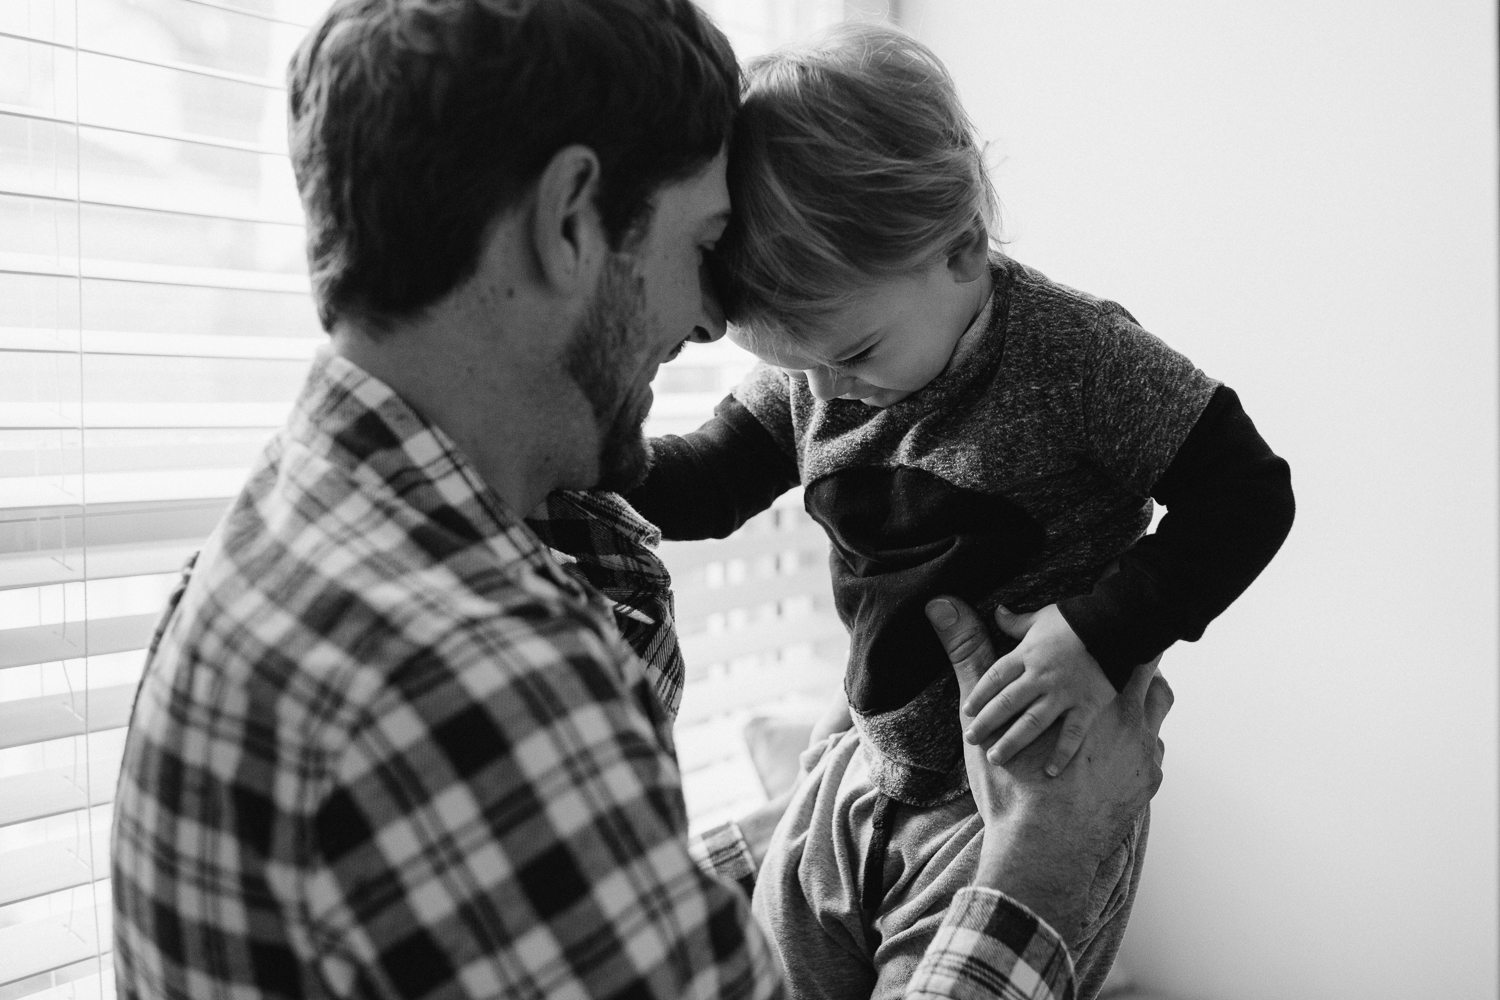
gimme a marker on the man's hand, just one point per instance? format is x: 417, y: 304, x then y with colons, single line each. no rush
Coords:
x: 1049, y: 675
x: 1045, y: 837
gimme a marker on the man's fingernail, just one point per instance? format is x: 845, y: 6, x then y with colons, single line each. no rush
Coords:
x: 969, y: 736
x: 1051, y: 770
x: 942, y: 614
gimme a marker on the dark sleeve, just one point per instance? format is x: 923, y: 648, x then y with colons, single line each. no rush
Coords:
x: 707, y: 483
x: 1229, y: 507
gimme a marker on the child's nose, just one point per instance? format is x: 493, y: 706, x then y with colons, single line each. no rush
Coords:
x: 824, y: 383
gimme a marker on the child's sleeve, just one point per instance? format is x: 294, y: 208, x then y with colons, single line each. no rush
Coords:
x: 1228, y: 498
x: 707, y: 483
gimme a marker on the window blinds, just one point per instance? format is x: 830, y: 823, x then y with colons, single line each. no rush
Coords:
x: 155, y: 324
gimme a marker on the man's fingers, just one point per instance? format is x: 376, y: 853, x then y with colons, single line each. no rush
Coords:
x: 965, y: 639
x: 1135, y: 689
x: 1159, y: 700
x: 993, y: 681
x: 1028, y: 727
x: 1071, y: 738
x: 1014, y: 625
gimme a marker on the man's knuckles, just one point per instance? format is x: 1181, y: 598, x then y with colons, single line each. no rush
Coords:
x: 968, y: 649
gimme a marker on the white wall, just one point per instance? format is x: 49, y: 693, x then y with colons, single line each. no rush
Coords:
x: 1301, y: 196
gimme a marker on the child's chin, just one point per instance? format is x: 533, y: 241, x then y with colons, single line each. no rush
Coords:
x: 881, y: 400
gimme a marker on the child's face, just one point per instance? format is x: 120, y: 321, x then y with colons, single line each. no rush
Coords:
x: 891, y: 341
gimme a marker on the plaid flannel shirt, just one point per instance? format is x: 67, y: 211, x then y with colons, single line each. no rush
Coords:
x: 385, y: 746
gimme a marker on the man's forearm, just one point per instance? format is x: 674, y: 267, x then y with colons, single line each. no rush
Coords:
x: 1024, y: 863
x: 988, y: 946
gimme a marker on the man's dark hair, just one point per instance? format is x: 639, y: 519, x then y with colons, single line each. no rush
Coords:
x: 414, y: 123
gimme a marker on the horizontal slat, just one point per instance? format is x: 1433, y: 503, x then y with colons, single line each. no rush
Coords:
x: 684, y: 557
x: 43, y: 869
x: 122, y: 487
x: 69, y: 640
x: 36, y: 114
x: 90, y: 987
x: 25, y: 797
x: 113, y: 524
x: 719, y: 647
x: 51, y: 717
x: 41, y: 340
x: 39, y: 946
x: 42, y: 545
x: 143, y: 416
x: 105, y: 562
x: 66, y: 199
x: 258, y: 15
x: 176, y: 67
x: 715, y: 695
x: 136, y: 272
x: 695, y: 599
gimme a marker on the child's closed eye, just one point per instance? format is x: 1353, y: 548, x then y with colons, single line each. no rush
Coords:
x: 855, y: 359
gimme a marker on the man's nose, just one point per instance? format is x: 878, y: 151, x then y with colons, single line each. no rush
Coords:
x: 711, y: 325
x: 824, y: 383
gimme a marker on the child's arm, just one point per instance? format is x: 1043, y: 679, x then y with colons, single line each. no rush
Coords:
x: 707, y: 483
x: 1230, y: 506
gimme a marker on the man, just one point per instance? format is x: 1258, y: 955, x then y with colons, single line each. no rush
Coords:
x: 385, y: 745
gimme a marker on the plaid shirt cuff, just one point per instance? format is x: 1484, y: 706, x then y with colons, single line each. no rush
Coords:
x: 723, y: 852
x: 991, y: 946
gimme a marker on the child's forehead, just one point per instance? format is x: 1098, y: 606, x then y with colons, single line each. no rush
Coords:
x: 830, y: 335
x: 808, y: 347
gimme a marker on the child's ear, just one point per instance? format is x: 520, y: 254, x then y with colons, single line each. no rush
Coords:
x: 972, y: 260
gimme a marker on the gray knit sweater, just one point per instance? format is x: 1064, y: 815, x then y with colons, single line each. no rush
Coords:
x: 1015, y: 477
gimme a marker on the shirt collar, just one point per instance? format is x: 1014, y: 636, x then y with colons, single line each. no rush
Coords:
x: 350, y: 418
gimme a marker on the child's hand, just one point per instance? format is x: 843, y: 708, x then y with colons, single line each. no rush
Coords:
x: 1050, y: 671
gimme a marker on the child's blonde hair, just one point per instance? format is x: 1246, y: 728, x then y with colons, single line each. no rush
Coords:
x: 852, y: 161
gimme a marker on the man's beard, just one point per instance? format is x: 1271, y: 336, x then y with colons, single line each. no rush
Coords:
x: 604, y: 358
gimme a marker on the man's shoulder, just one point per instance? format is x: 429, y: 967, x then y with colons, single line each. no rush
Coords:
x: 336, y: 611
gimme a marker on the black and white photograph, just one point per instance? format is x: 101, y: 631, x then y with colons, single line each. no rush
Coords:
x: 749, y: 499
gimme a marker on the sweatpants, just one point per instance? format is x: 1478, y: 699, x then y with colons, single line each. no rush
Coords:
x: 838, y: 941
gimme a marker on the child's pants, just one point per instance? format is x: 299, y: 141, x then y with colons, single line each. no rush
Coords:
x: 809, y: 895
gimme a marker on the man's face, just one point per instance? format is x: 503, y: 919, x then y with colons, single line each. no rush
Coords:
x: 648, y: 303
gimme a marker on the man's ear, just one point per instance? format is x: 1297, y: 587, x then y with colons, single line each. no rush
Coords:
x: 567, y: 235
x: 971, y: 261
